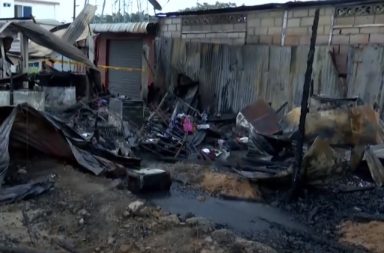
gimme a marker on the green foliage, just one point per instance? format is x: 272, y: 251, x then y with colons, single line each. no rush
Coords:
x: 206, y: 6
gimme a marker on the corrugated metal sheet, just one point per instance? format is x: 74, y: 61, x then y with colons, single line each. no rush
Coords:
x: 232, y: 77
x: 366, y: 75
x: 138, y: 27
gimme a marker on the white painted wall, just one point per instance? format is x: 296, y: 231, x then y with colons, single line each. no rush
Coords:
x: 41, y: 10
x: 7, y: 9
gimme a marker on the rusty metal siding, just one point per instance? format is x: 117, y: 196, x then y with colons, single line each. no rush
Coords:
x: 233, y: 76
x: 366, y: 74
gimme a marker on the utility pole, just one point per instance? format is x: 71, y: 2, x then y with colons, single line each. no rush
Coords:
x: 74, y: 9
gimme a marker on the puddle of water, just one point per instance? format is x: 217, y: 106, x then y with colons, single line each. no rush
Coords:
x: 241, y: 216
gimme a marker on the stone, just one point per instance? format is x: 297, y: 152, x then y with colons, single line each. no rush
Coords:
x: 111, y: 240
x: 81, y: 221
x: 171, y: 219
x: 223, y: 236
x: 84, y: 213
x: 126, y: 214
x: 253, y: 247
x: 135, y: 206
x: 202, y: 223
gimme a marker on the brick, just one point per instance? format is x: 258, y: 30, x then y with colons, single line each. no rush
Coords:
x: 297, y: 31
x: 344, y: 20
x: 379, y: 19
x: 306, y: 21
x: 340, y: 39
x: 359, y: 39
x: 261, y: 31
x: 268, y: 22
x: 278, y: 21
x: 300, y: 13
x: 265, y: 39
x: 292, y: 40
x: 274, y: 30
x: 372, y: 30
x: 377, y: 38
x: 350, y: 31
x: 363, y: 20
x: 293, y: 22
x: 325, y: 20
x: 240, y: 27
x: 252, y: 39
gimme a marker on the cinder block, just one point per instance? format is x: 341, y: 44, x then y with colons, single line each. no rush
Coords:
x: 300, y: 13
x: 293, y: 22
x: 227, y: 28
x: 322, y: 40
x: 176, y: 34
x: 167, y: 34
x: 176, y: 21
x: 350, y: 31
x: 274, y: 30
x: 379, y: 19
x: 254, y: 22
x: 265, y: 39
x: 359, y: 39
x: 292, y: 40
x: 305, y: 40
x: 279, y: 21
x: 297, y: 30
x: 168, y: 21
x: 276, y: 39
x: 311, y: 12
x: 172, y: 28
x: 344, y: 20
x: 260, y: 30
x: 340, y: 39
x: 374, y: 30
x: 252, y: 39
x: 290, y: 14
x: 186, y: 28
x: 325, y: 29
x: 377, y: 38
x: 240, y: 27
x: 268, y: 22
x: 363, y: 20
x: 325, y: 20
x: 308, y: 21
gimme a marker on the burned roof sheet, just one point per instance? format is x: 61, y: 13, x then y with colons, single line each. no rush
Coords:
x: 135, y: 27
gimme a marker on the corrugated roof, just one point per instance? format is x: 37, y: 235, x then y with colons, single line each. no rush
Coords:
x: 137, y: 27
x: 269, y: 6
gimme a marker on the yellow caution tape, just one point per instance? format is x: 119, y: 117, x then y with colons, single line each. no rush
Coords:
x: 128, y: 69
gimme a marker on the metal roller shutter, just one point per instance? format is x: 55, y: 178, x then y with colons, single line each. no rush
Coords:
x: 125, y: 53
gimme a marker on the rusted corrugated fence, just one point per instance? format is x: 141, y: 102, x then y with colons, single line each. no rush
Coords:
x: 233, y: 76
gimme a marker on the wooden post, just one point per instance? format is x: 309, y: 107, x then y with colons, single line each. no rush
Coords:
x: 304, y: 107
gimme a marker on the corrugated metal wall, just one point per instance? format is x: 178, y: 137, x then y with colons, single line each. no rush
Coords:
x: 366, y: 75
x: 233, y: 76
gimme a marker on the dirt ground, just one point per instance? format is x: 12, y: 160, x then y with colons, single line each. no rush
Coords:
x: 368, y: 235
x: 84, y: 213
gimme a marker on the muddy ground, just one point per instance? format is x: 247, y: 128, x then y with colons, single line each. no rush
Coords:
x: 206, y: 211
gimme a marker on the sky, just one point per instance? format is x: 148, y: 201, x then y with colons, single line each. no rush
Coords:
x: 66, y: 6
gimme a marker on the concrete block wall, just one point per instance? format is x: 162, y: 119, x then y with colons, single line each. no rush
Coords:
x: 170, y: 27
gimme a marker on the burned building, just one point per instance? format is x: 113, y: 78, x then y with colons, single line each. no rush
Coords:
x: 240, y: 54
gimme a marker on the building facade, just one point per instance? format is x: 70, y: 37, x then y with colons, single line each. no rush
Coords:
x: 40, y: 9
x: 244, y: 53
